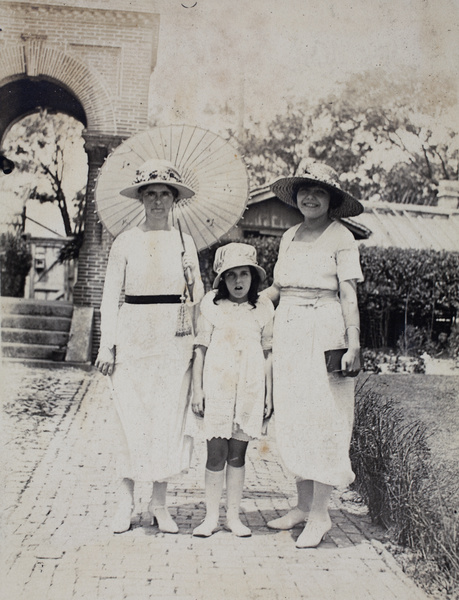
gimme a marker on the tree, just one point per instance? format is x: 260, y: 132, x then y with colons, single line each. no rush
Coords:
x: 276, y: 148
x: 387, y: 134
x: 390, y: 138
x: 48, y: 151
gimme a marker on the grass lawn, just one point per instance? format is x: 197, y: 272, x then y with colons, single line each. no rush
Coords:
x: 431, y: 399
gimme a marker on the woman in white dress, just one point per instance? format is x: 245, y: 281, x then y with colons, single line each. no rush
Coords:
x: 146, y: 344
x: 315, y: 281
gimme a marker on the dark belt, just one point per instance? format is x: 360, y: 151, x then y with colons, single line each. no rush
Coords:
x: 162, y: 299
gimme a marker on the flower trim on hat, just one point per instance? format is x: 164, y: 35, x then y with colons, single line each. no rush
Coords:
x: 160, y: 174
x: 323, y: 175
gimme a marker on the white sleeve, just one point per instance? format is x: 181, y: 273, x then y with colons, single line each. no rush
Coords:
x: 348, y: 258
x: 114, y: 280
x: 284, y: 243
x: 198, y: 289
x: 204, y: 333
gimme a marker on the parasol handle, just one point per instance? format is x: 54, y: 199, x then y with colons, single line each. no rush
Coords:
x: 189, y: 280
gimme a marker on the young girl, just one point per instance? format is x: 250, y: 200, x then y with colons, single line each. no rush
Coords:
x: 232, y: 386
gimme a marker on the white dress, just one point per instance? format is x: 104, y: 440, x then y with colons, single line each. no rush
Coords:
x: 150, y: 382
x: 234, y: 368
x: 313, y: 409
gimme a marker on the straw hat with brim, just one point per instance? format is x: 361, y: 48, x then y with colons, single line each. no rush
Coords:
x: 286, y: 189
x: 235, y: 255
x: 157, y: 171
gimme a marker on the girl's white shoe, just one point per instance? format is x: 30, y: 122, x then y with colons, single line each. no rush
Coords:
x: 238, y: 528
x: 206, y: 529
x: 313, y: 533
x: 160, y: 516
x: 295, y: 516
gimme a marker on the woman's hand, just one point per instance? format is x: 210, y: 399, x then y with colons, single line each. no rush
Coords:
x: 187, y: 261
x: 197, y: 404
x: 187, y: 264
x: 350, y: 363
x: 105, y: 361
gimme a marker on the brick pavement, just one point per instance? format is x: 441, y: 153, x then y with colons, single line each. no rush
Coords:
x: 61, y: 495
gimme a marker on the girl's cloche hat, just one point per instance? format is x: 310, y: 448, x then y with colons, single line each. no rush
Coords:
x: 286, y: 188
x: 157, y: 170
x: 236, y: 255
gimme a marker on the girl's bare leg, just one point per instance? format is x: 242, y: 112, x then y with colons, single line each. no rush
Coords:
x: 235, y: 475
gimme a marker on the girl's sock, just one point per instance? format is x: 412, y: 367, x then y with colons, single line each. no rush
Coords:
x: 234, y: 485
x: 214, y: 487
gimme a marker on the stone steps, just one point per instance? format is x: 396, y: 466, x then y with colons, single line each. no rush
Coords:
x: 11, y: 321
x: 20, y: 350
x: 35, y: 329
x: 46, y: 308
x: 34, y: 336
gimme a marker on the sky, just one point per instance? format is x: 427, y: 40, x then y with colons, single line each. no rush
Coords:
x: 255, y: 55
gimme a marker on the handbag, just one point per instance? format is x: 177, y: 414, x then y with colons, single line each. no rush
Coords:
x: 333, y: 359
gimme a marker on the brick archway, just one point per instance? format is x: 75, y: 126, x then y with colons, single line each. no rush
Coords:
x: 35, y: 60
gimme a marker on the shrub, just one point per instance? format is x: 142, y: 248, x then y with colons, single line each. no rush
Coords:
x: 394, y: 475
x: 16, y: 261
x: 413, y: 341
x: 405, y: 287
x: 453, y: 343
x: 376, y: 361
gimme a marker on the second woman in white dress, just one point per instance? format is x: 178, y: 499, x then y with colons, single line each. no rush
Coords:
x: 315, y: 282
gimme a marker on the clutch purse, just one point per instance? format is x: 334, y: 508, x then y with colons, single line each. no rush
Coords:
x: 333, y: 359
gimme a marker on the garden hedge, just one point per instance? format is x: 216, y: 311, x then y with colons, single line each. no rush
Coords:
x: 402, y: 287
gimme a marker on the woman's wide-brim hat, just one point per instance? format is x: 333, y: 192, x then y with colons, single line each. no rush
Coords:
x: 157, y: 170
x: 236, y: 255
x: 286, y: 189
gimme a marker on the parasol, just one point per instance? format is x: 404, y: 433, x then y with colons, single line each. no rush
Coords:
x: 207, y: 163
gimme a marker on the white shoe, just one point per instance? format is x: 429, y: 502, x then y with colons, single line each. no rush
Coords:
x: 295, y: 516
x: 313, y: 533
x: 206, y: 529
x: 122, y: 519
x: 238, y: 528
x: 160, y: 516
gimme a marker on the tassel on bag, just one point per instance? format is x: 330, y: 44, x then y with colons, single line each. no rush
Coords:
x: 184, y: 325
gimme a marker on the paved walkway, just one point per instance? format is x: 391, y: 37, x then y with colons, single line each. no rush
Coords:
x: 59, y: 495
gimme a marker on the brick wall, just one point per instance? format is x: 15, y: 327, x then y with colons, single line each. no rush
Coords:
x: 105, y: 57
